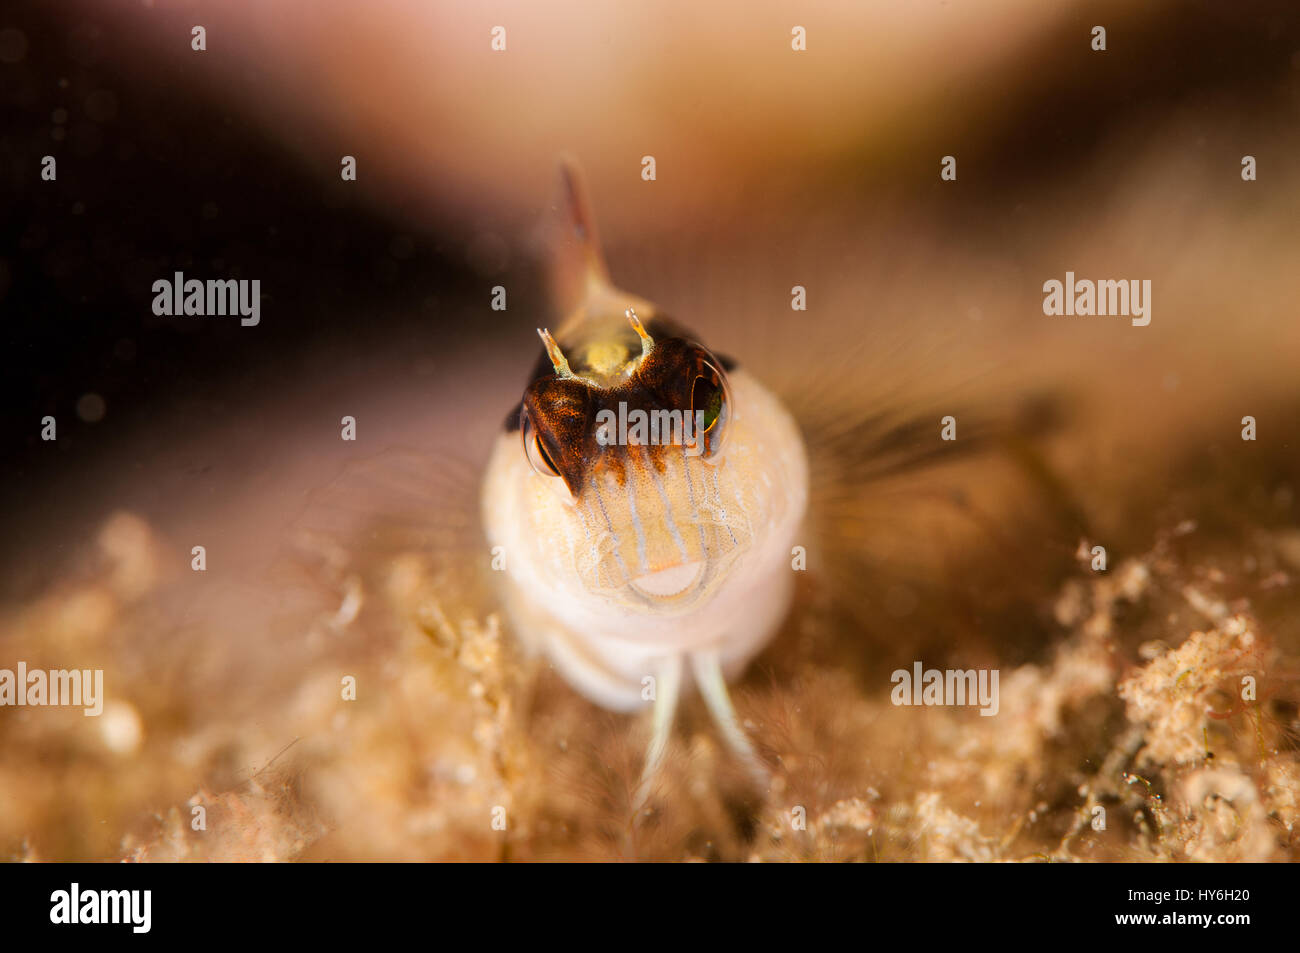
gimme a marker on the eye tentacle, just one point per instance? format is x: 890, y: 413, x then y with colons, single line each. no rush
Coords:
x: 558, y: 360
x: 647, y: 342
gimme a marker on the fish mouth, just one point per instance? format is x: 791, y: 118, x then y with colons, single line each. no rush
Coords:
x: 671, y: 585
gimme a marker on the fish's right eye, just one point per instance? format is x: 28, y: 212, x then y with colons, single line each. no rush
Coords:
x: 534, y: 449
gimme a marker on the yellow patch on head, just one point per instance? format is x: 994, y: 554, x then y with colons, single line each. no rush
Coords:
x: 608, y: 358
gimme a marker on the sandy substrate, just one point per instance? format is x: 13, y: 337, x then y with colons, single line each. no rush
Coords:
x: 1159, y: 723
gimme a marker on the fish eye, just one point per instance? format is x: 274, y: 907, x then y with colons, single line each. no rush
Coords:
x: 711, y: 397
x: 534, y: 449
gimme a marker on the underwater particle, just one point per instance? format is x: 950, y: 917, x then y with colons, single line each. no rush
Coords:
x: 91, y: 408
x: 121, y: 728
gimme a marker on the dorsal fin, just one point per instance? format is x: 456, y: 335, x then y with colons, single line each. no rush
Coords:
x: 578, y: 271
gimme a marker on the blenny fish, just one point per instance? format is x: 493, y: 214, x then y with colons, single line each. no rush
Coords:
x: 645, y: 564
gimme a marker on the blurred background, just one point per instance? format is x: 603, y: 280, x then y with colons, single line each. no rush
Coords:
x: 774, y: 168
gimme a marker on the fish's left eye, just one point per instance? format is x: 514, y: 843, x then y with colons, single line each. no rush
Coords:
x: 711, y: 406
